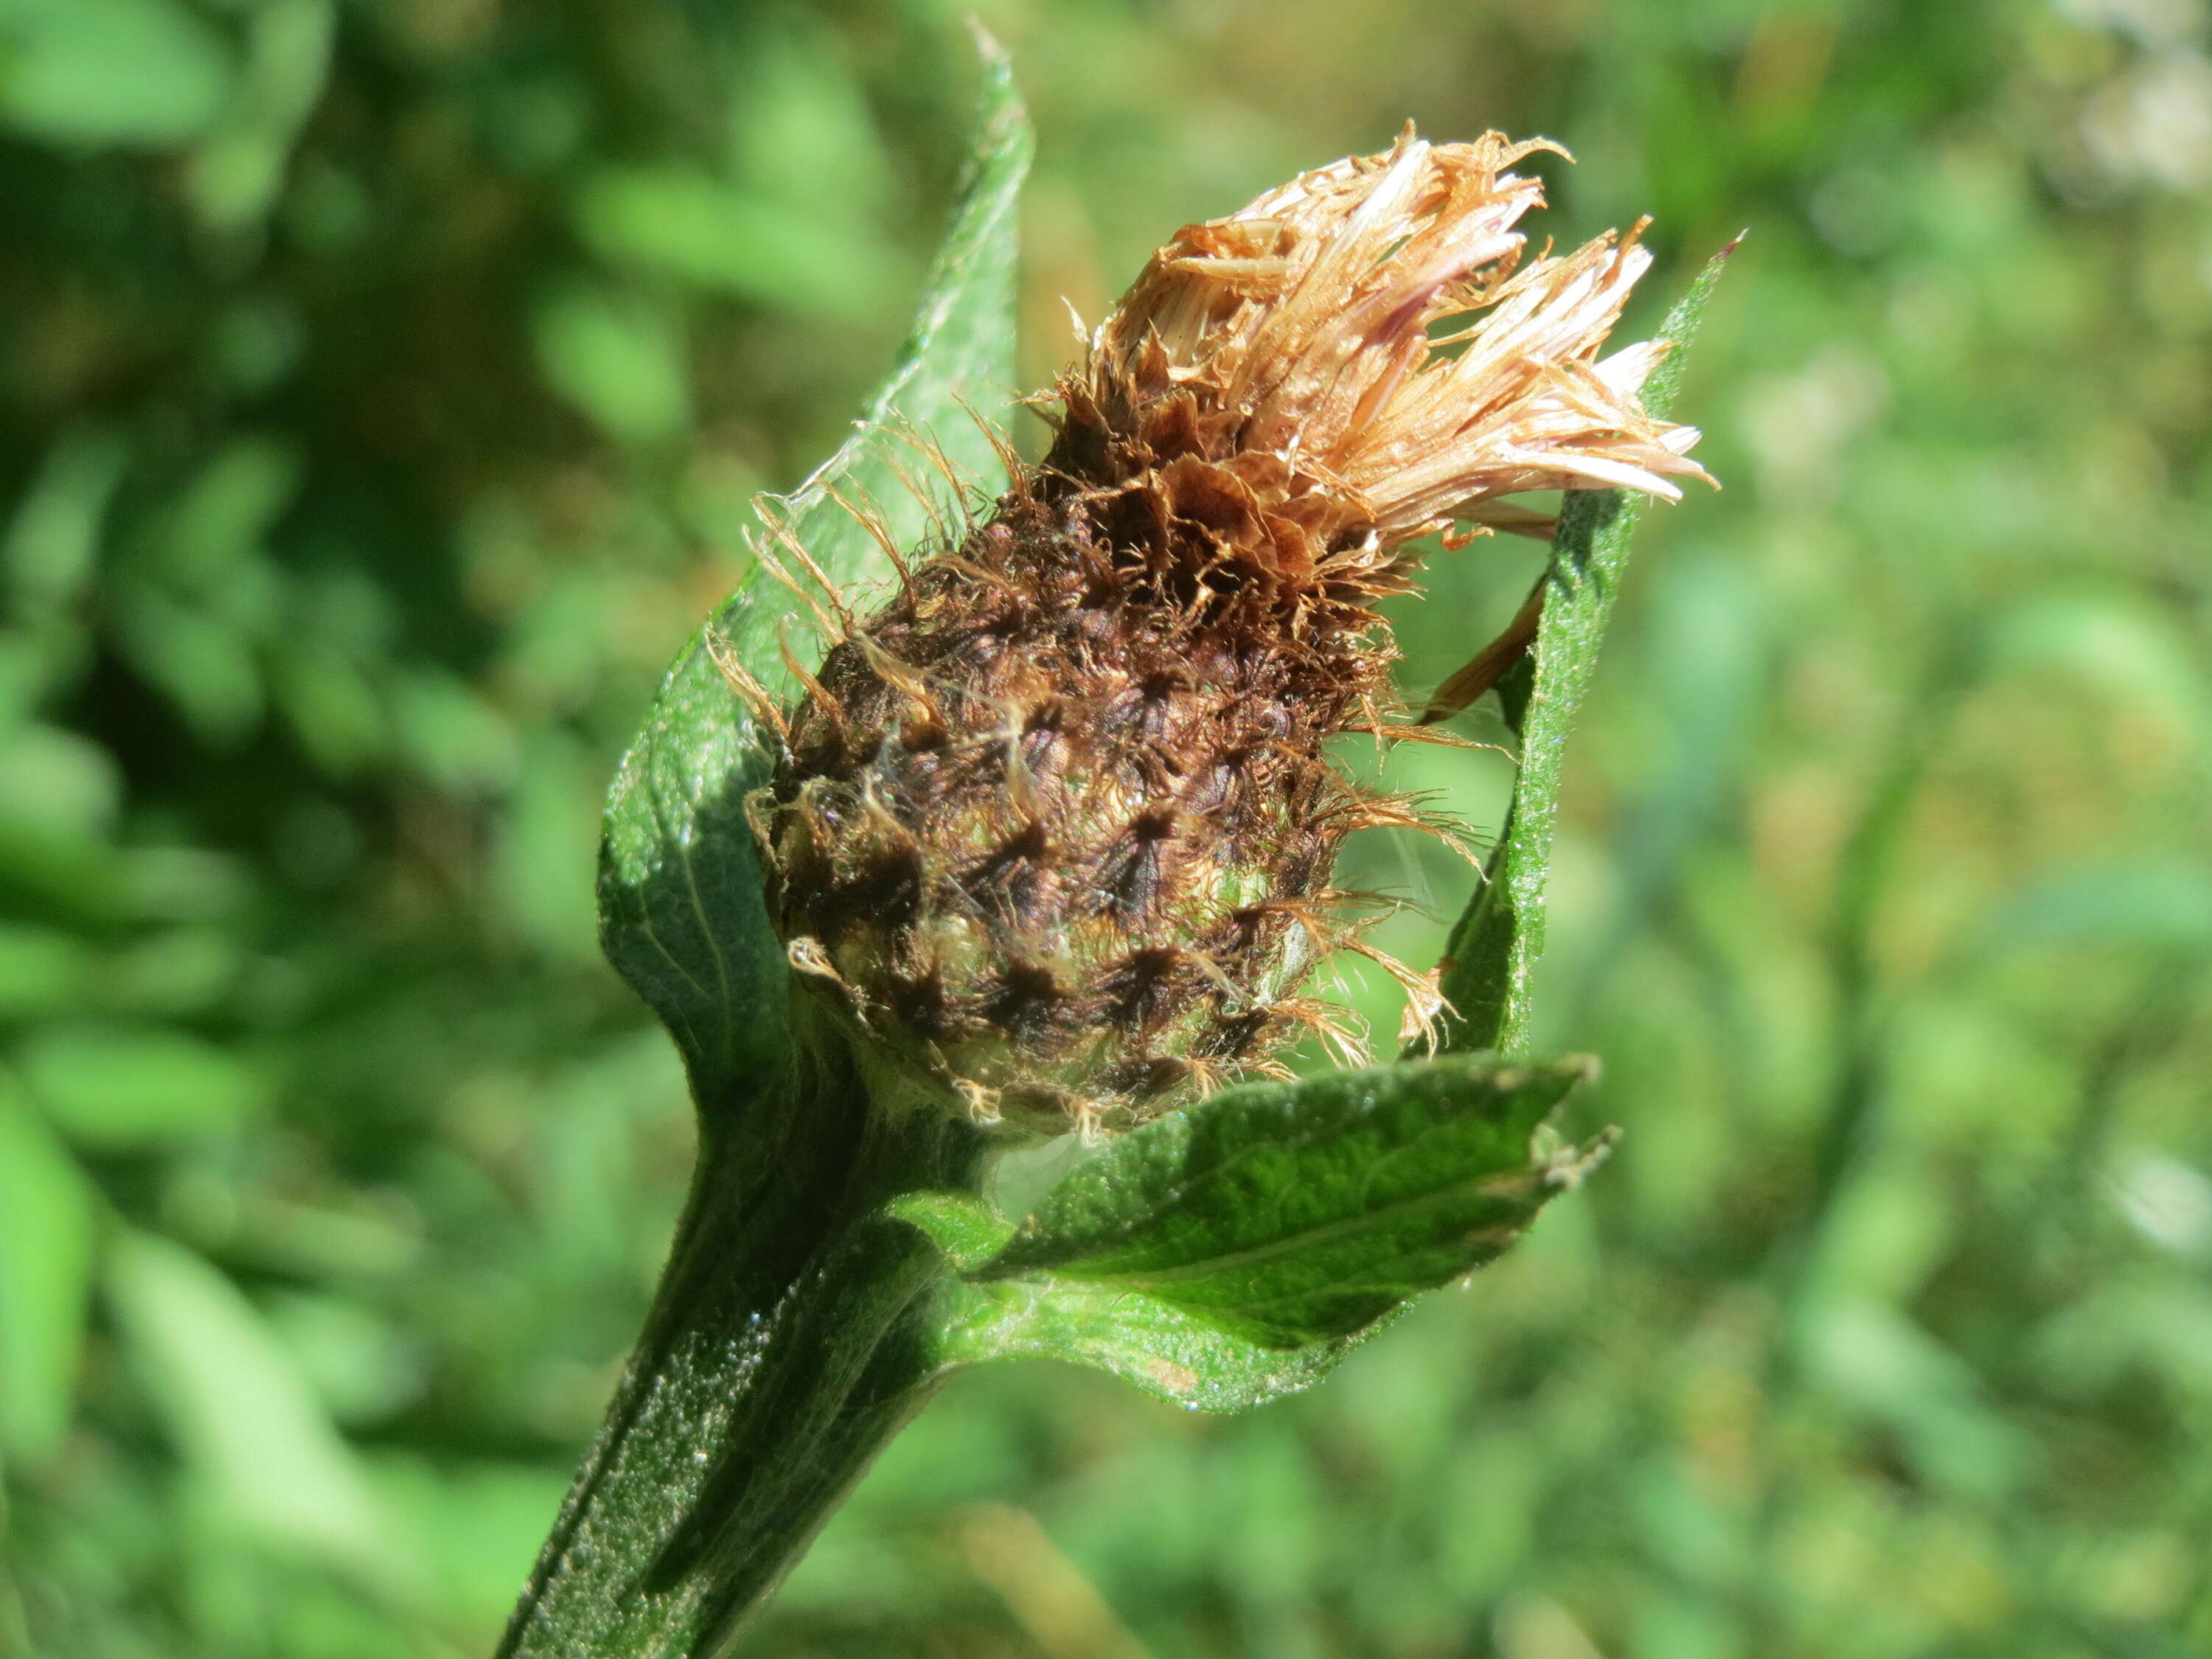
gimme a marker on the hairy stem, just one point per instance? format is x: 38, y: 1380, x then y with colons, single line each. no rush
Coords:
x: 789, y: 1341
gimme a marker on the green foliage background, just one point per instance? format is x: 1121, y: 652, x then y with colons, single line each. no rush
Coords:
x: 383, y: 382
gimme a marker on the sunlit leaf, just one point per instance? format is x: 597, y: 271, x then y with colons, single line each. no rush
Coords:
x: 691, y: 225
x: 43, y: 971
x: 96, y: 72
x: 125, y: 1087
x: 615, y: 356
x: 236, y: 174
x: 238, y: 1410
x: 54, y: 536
x: 46, y: 1211
x: 1273, y: 1217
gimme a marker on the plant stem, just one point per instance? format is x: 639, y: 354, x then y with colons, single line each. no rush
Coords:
x: 787, y: 1344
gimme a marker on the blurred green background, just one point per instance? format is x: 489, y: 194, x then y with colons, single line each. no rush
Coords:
x: 384, y: 382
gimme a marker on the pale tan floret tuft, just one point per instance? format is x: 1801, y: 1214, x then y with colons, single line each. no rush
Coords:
x: 1310, y: 320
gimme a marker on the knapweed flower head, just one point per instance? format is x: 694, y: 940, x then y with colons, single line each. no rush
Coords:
x: 1053, y: 829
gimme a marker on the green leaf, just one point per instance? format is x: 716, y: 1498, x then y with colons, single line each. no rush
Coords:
x: 58, y: 779
x: 2165, y: 904
x: 122, y: 1088
x: 1490, y: 964
x: 206, y: 666
x: 43, y: 971
x: 245, y: 1421
x: 681, y: 911
x: 446, y: 727
x: 52, y: 543
x: 105, y: 72
x: 960, y: 1225
x: 691, y: 225
x: 1290, y: 1214
x: 1164, y: 1351
x: 616, y: 357
x: 215, y: 528
x: 45, y: 1272
x: 236, y: 176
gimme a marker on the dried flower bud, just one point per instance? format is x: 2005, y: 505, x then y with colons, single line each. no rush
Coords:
x: 1055, y: 827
